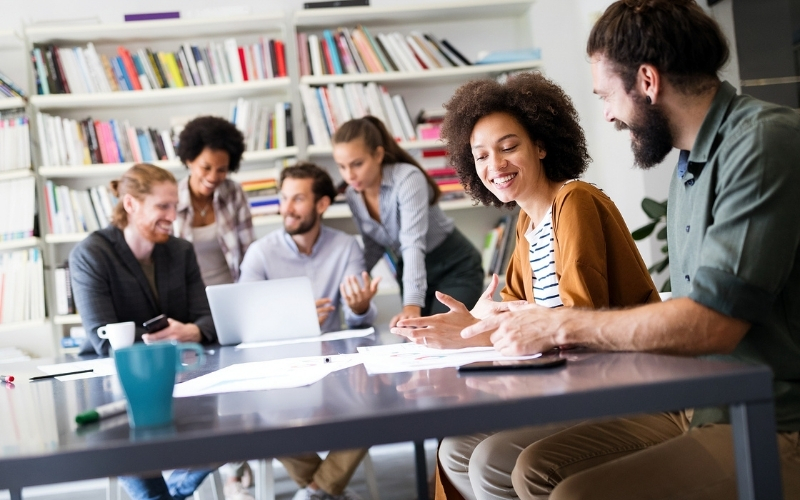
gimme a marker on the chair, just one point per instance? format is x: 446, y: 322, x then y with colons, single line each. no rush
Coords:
x: 114, y: 489
x: 265, y: 479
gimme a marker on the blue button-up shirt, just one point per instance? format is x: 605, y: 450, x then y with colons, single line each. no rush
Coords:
x: 334, y: 255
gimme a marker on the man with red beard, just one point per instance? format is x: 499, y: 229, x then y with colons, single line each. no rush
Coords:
x: 734, y: 247
x: 133, y: 270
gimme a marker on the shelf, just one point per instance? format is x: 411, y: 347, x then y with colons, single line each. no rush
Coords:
x: 114, y: 169
x: 169, y: 96
x: 342, y: 211
x: 67, y: 319
x: 458, y: 74
x: 15, y: 174
x: 65, y: 238
x: 407, y: 14
x: 157, y: 30
x: 19, y: 244
x: 11, y: 103
x: 313, y: 150
x: 22, y: 325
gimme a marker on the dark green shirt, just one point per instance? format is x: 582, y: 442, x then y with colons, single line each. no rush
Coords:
x: 734, y: 235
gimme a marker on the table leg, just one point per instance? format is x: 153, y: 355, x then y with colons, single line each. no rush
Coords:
x: 758, y: 473
x: 16, y: 493
x: 422, y: 470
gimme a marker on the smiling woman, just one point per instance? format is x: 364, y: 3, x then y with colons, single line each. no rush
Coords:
x: 212, y: 210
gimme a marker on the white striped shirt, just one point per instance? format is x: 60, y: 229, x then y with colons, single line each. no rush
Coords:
x: 543, y: 264
x: 410, y: 226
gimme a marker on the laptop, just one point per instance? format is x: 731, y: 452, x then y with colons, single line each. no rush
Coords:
x: 258, y: 311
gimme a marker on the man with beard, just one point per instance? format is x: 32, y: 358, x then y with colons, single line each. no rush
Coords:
x: 332, y: 260
x: 734, y: 265
x: 133, y: 270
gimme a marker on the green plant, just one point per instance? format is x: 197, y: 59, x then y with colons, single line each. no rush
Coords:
x: 657, y: 211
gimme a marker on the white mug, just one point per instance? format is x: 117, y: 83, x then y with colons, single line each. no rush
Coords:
x: 119, y: 334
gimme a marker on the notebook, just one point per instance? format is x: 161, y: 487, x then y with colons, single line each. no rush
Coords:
x: 263, y: 310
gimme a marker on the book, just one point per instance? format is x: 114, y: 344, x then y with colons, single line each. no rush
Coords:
x: 455, y: 52
x: 304, y: 54
x: 332, y: 53
x: 280, y: 55
x: 326, y: 4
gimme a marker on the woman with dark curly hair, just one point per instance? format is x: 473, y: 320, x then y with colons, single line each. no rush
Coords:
x: 520, y: 143
x: 213, y: 212
x: 394, y: 204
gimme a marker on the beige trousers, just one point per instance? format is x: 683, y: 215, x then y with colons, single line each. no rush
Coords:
x: 479, y: 465
x: 650, y: 456
x: 331, y: 474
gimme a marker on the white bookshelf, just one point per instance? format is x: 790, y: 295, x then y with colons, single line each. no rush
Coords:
x: 22, y: 325
x: 20, y: 173
x: 11, y: 103
x: 171, y: 96
x: 67, y: 319
x: 20, y: 244
x: 439, y: 76
x: 326, y: 151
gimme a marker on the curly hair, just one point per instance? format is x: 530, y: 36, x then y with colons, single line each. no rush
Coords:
x: 214, y: 133
x: 540, y: 106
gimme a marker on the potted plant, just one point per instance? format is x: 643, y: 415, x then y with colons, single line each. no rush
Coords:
x: 657, y: 212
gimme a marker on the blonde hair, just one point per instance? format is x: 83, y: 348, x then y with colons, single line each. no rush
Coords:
x: 137, y: 181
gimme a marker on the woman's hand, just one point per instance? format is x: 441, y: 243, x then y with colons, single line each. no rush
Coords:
x: 442, y: 331
x: 486, y: 305
x: 407, y: 313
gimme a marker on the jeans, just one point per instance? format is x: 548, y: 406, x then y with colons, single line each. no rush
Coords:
x: 180, y: 485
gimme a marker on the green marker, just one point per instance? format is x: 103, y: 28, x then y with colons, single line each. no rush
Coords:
x: 101, y: 412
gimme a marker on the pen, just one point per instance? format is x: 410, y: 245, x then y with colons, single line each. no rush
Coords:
x: 7, y: 378
x: 102, y: 411
x: 43, y: 377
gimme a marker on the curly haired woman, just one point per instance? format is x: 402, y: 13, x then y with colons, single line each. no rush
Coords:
x: 520, y: 143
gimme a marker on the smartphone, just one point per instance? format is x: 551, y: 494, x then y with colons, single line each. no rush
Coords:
x: 153, y: 325
x: 514, y: 364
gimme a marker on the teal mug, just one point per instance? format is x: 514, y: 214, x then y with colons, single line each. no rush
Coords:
x: 147, y: 374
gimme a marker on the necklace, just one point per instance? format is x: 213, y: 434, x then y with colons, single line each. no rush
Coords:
x: 204, y: 209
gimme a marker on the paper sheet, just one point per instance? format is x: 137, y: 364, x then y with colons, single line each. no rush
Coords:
x: 409, y: 357
x: 101, y: 368
x: 263, y: 375
x: 325, y: 337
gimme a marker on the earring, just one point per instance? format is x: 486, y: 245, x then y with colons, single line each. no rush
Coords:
x: 648, y: 100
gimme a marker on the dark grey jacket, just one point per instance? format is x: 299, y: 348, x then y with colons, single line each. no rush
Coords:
x: 109, y: 286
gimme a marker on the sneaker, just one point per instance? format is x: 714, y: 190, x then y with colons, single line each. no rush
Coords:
x: 308, y: 493
x: 234, y: 490
x: 347, y: 494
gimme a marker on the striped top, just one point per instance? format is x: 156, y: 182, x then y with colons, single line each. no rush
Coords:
x: 543, y: 264
x: 410, y: 226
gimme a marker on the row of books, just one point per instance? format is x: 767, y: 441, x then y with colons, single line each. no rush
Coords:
x: 344, y: 51
x: 498, y: 245
x: 77, y: 210
x: 64, y: 142
x: 15, y: 141
x: 21, y: 286
x: 18, y: 199
x: 8, y: 88
x: 65, y: 303
x: 262, y: 194
x: 264, y: 126
x: 75, y: 70
x: 327, y: 108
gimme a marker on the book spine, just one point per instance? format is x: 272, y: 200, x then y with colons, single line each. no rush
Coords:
x: 280, y: 55
x: 303, y: 54
x: 130, y: 68
x: 332, y: 52
x: 234, y: 65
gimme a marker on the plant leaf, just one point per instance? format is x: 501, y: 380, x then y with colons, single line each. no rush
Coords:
x: 665, y: 249
x: 662, y: 265
x: 644, y: 231
x: 662, y: 235
x: 654, y: 209
x: 667, y: 286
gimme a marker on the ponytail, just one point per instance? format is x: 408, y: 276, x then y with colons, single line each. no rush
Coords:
x: 374, y: 133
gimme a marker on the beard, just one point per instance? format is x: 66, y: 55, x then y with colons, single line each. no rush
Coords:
x: 149, y: 233
x: 651, y: 134
x: 305, y: 225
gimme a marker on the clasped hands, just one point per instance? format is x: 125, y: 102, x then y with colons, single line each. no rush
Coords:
x: 514, y: 328
x: 356, y: 294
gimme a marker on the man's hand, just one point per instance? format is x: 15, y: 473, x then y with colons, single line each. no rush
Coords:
x: 523, y: 330
x: 486, y: 305
x: 182, y: 332
x: 406, y: 313
x: 355, y: 295
x: 442, y: 331
x: 324, y: 309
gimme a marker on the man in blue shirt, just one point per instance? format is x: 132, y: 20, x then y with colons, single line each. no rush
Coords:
x: 333, y: 260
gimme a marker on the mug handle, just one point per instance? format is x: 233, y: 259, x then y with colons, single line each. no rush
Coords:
x: 101, y: 332
x: 189, y: 346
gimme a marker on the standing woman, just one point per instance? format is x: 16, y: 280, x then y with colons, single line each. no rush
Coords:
x: 394, y: 204
x: 212, y: 210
